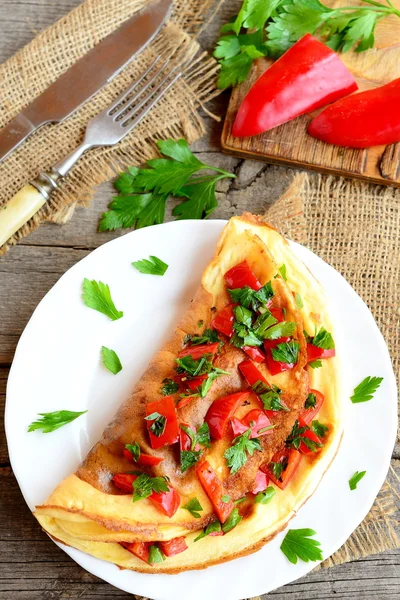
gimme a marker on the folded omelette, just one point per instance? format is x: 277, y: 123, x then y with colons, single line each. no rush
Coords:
x: 229, y: 430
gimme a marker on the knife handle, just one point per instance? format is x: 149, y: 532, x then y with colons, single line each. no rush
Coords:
x: 19, y: 210
x: 14, y: 133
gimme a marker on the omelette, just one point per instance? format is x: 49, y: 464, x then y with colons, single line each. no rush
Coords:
x: 228, y: 431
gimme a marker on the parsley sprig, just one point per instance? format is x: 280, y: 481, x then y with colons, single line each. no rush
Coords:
x: 353, y: 481
x: 51, y: 421
x: 97, y: 295
x: 277, y: 24
x: 194, y: 507
x: 144, y: 486
x: 366, y: 389
x: 111, y: 360
x: 143, y: 193
x: 297, y: 543
x: 243, y: 447
x: 151, y: 266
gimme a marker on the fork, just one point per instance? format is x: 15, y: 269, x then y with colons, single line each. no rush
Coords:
x: 106, y: 129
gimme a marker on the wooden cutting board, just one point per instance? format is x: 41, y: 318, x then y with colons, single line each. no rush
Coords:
x: 290, y: 145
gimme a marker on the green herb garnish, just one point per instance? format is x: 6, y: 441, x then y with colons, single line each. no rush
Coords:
x: 299, y: 301
x: 194, y: 507
x: 111, y: 360
x: 353, y: 481
x: 154, y: 266
x: 311, y: 401
x: 366, y: 389
x: 242, y: 447
x: 323, y: 339
x: 232, y: 521
x: 319, y: 429
x: 214, y: 527
x: 169, y: 387
x: 134, y: 449
x: 287, y: 352
x: 158, y: 425
x: 155, y: 555
x: 144, y: 485
x: 266, y: 496
x: 297, y: 544
x: 54, y: 420
x: 97, y: 295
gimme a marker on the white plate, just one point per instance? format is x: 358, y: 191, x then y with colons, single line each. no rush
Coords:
x: 57, y: 366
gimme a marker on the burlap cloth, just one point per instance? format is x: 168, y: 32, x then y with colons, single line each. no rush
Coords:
x: 24, y: 76
x: 353, y: 226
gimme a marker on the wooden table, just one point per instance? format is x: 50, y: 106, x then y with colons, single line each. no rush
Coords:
x: 31, y: 566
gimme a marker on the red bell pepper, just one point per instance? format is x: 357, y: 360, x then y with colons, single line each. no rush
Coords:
x: 146, y: 460
x: 139, y: 549
x: 184, y: 402
x: 277, y: 313
x: 197, y: 352
x: 370, y: 118
x: 308, y: 414
x: 223, y: 321
x: 184, y: 439
x: 309, y: 434
x: 261, y: 482
x: 166, y: 502
x: 240, y: 276
x: 251, y: 373
x: 221, y: 410
x: 269, y: 344
x: 254, y: 353
x: 258, y: 417
x: 314, y: 352
x: 291, y: 458
x: 214, y: 489
x: 166, y: 408
x: 308, y: 76
x: 174, y: 546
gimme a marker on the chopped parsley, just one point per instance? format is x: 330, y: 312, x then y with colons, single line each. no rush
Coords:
x: 297, y: 544
x: 154, y: 266
x: 323, y: 339
x: 208, y: 336
x: 111, y: 360
x: 263, y: 323
x: 233, y: 520
x: 266, y: 496
x: 144, y: 486
x: 214, y: 527
x: 311, y: 401
x: 284, y: 329
x: 134, y: 449
x: 297, y: 437
x: 319, y: 429
x: 299, y: 301
x: 242, y: 447
x: 194, y: 367
x: 277, y: 468
x: 353, y: 481
x: 155, y: 555
x: 158, y: 425
x: 194, y: 507
x: 225, y: 498
x: 283, y: 272
x: 191, y: 457
x: 315, y: 364
x: 51, y: 421
x: 250, y: 298
x: 366, y: 389
x: 169, y: 387
x: 97, y: 295
x: 287, y: 352
x: 271, y: 399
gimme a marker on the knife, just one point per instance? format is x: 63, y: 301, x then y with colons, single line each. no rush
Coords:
x: 87, y: 76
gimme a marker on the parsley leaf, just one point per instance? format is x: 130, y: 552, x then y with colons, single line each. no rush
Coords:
x: 277, y: 468
x: 97, y: 295
x: 243, y: 315
x: 54, y: 420
x: 319, y: 429
x: 233, y: 520
x: 287, y: 352
x: 214, y: 527
x: 189, y: 458
x: 249, y: 298
x: 296, y: 436
x: 154, y: 266
x: 323, y: 339
x: 194, y: 507
x: 353, y: 481
x: 297, y: 544
x: 208, y: 336
x: 144, y: 192
x: 282, y: 271
x: 271, y: 400
x: 366, y: 389
x: 155, y: 555
x: 311, y: 401
x: 144, y: 486
x: 283, y: 329
x: 169, y: 387
x: 158, y: 425
x: 241, y: 449
x: 111, y: 360
x: 299, y: 301
x: 263, y: 323
x: 266, y: 496
x: 200, y: 366
x: 235, y: 70
x: 315, y: 364
x: 134, y: 449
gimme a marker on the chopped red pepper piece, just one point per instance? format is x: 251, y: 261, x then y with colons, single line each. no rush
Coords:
x: 254, y: 353
x: 184, y: 402
x: 185, y: 441
x: 291, y: 459
x: 139, y: 549
x: 221, y: 410
x: 309, y: 434
x: 251, y: 373
x: 276, y: 366
x: 241, y: 275
x: 258, y: 417
x: 173, y: 547
x: 146, y: 460
x: 314, y: 352
x: 370, y: 118
x: 260, y: 483
x: 166, y: 408
x: 308, y: 414
x: 277, y: 313
x: 167, y: 502
x: 193, y: 384
x: 223, y: 321
x: 197, y: 352
x: 238, y: 427
x: 214, y: 489
x: 308, y: 76
x: 269, y: 344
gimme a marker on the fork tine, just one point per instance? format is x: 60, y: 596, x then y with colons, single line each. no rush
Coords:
x: 131, y: 88
x: 139, y: 93
x: 128, y: 124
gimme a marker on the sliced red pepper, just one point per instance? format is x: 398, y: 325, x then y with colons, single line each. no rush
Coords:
x: 165, y: 407
x: 139, y: 549
x: 241, y: 275
x: 167, y: 502
x: 173, y: 547
x: 251, y: 373
x: 254, y: 353
x: 370, y: 118
x: 277, y: 313
x: 214, y: 489
x: 303, y: 448
x: 276, y: 366
x: 221, y: 410
x: 308, y: 76
x: 260, y: 483
x: 260, y: 422
x: 193, y: 384
x: 185, y: 441
x: 238, y: 427
x: 308, y: 414
x: 197, y: 352
x: 314, y: 352
x: 146, y: 460
x: 223, y: 321
x: 293, y: 458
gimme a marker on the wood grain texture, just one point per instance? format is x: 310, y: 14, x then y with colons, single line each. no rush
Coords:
x: 31, y: 566
x: 290, y: 145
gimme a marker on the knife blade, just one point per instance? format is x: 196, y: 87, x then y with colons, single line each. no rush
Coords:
x: 87, y: 76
